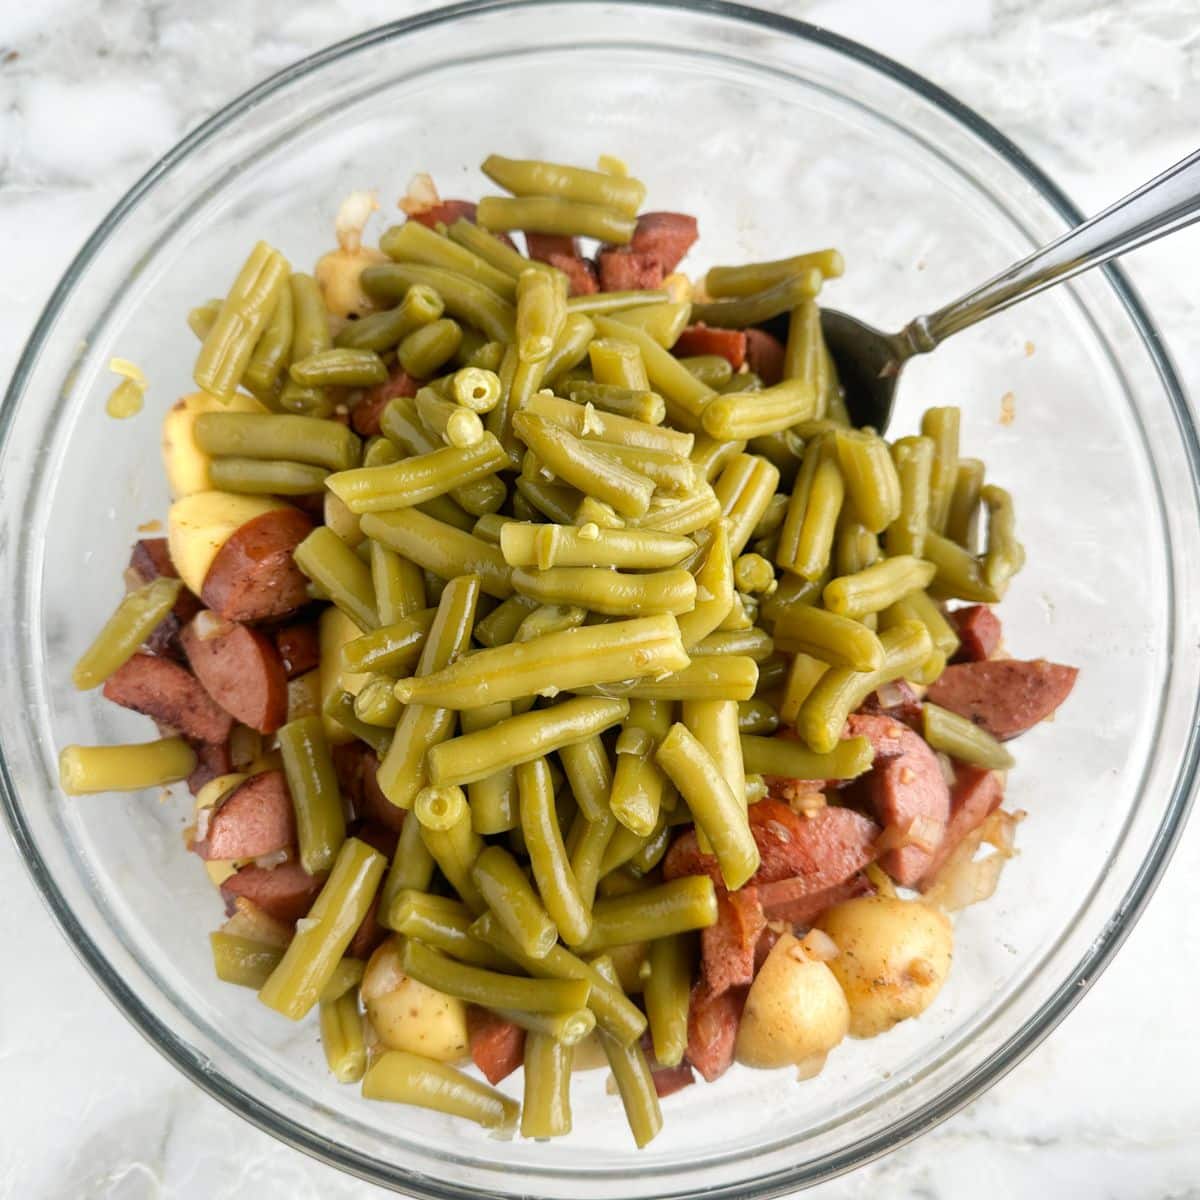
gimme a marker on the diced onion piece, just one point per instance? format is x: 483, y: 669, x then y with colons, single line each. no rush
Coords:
x: 420, y: 196
x: 352, y: 218
x: 819, y: 946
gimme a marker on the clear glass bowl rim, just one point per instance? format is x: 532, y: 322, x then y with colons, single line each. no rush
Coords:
x: 1071, y: 989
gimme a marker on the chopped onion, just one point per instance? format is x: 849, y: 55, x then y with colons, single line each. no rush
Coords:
x: 1000, y: 830
x: 306, y: 923
x: 819, y: 946
x: 782, y: 832
x: 891, y: 695
x: 352, y: 218
x: 274, y: 859
x: 947, y: 766
x: 420, y: 196
x: 922, y: 832
x: 967, y: 882
x: 207, y: 624
x: 203, y: 820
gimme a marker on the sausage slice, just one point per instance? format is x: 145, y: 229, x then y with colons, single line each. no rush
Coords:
x: 765, y: 353
x: 240, y: 669
x: 664, y: 237
x: 286, y: 891
x: 497, y: 1045
x: 253, y: 575
x: 1004, y: 695
x: 150, y: 560
x: 712, y: 1029
x: 730, y: 344
x: 172, y: 695
x: 365, y: 415
x: 975, y: 796
x: 979, y: 632
x: 727, y: 947
x: 256, y: 818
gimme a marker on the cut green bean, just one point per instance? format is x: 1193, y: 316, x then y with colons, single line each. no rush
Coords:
x: 875, y: 587
x: 412, y: 871
x: 789, y: 759
x: 714, y: 589
x: 757, y: 716
x: 464, y: 298
x: 679, y: 906
x: 553, y: 501
x: 838, y: 640
x: 343, y: 576
x: 413, y: 242
x: 339, y: 368
x: 384, y: 330
x: 1004, y: 556
x: 406, y: 1078
x: 589, y: 772
x: 440, y: 808
x: 745, y: 488
x: 546, y: 1111
x: 550, y: 618
x: 441, y: 923
x: 872, y: 484
x: 476, y: 390
x: 856, y: 548
x: 455, y: 850
x: 274, y: 437
x: 613, y: 593
x: 528, y: 177
x: 667, y: 992
x: 756, y: 308
x: 753, y: 573
x: 489, y: 248
x: 633, y: 403
x: 717, y: 677
x: 618, y: 364
x: 555, y: 216
x: 342, y: 1038
x: 663, y: 322
x: 271, y: 354
x: 588, y: 422
x: 493, y: 800
x: 919, y: 606
x: 390, y: 649
x: 959, y: 573
x: 941, y: 425
x: 204, y: 316
x: 713, y: 369
x: 754, y: 277
x: 710, y: 456
x: 312, y: 956
x: 253, y: 477
x: 399, y: 586
x: 449, y: 421
x: 805, y: 356
x: 511, y: 898
x: 133, y: 621
x: 672, y: 474
x: 962, y: 739
x: 500, y: 626
x: 541, y: 312
x: 339, y: 708
x: 913, y: 457
x: 742, y: 415
x: 429, y: 347
x: 546, y: 546
x: 714, y: 724
x: 962, y: 523
x: 806, y: 539
x: 587, y: 852
x: 312, y: 782
x: 83, y: 770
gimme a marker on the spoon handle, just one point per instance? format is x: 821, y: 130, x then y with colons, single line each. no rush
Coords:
x: 1168, y: 202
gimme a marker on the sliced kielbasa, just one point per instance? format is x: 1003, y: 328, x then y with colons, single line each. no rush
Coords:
x: 795, y: 901
x: 621, y: 270
x: 445, y: 212
x: 366, y: 414
x: 369, y: 933
x: 979, y: 632
x: 240, y: 669
x: 256, y: 818
x: 149, y: 560
x: 764, y: 354
x: 904, y: 785
x: 212, y: 759
x: 497, y: 1045
x: 253, y: 575
x: 298, y: 647
x: 669, y: 1080
x: 664, y: 237
x: 730, y: 344
x: 563, y: 253
x: 897, y: 700
x: 712, y: 1029
x: 1004, y: 695
x: 286, y: 891
x: 172, y: 695
x: 357, y: 769
x: 727, y: 947
x: 976, y: 794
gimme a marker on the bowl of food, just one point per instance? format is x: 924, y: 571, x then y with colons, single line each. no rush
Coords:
x: 475, y: 578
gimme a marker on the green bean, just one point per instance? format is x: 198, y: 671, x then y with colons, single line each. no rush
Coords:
x: 918, y: 606
x: 376, y: 704
x: 493, y: 800
x: 399, y: 586
x: 550, y: 618
x: 313, y: 784
x: 411, y: 871
x: 754, y: 277
x: 441, y: 923
x: 716, y: 677
x: 756, y: 308
x: 753, y: 643
x: 806, y: 539
x: 413, y: 242
x: 339, y: 368
x: 384, y: 330
x: 713, y: 589
x: 838, y: 640
x: 546, y: 1111
x: 451, y: 423
x: 783, y: 450
x: 605, y: 302
x: 856, y: 548
x: 875, y: 587
x: 340, y: 709
x: 313, y: 954
x: 719, y: 814
x: 941, y: 424
x: 270, y: 356
x: 962, y: 523
x: 742, y: 616
x: 663, y: 322
x: 635, y: 404
x: 959, y: 573
x: 713, y: 369
x: 637, y: 788
x: 590, y: 511
x: 390, y: 649
x: 403, y: 771
x: 440, y: 808
x: 455, y: 850
x: 331, y: 564
x: 589, y: 773
x: 962, y: 739
x: 753, y: 573
x: 839, y: 691
x: 742, y: 415
x: 913, y: 457
x: 546, y: 546
x: 487, y: 528
x: 587, y: 852
x: 870, y: 476
x: 244, y: 315
x: 1005, y: 556
x: 439, y: 548
x: 672, y: 474
x: 478, y: 985
x: 805, y: 356
x: 667, y: 993
x: 568, y: 1028
x: 711, y: 457
x: 570, y: 349
x: 510, y: 896
x: 685, y: 395
x: 757, y: 716
x: 683, y: 904
x: 525, y: 177
x: 249, y: 963
x: 588, y: 422
x: 714, y: 724
x: 275, y: 437
x: 578, y: 464
x: 464, y: 298
x: 252, y: 477
x: 521, y: 738
x: 500, y: 626
x: 406, y: 1078
x: 133, y: 621
x: 610, y: 592
x: 204, y: 316
x: 488, y: 247
x: 83, y: 770
x: 342, y: 1038
x: 553, y: 501
x: 789, y: 759
x: 429, y: 347
x: 555, y: 216
x: 631, y: 1071
x: 617, y: 363
x: 541, y: 312
x: 745, y: 489
x: 476, y: 390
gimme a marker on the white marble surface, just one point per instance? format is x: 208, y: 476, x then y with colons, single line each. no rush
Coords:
x: 1100, y: 92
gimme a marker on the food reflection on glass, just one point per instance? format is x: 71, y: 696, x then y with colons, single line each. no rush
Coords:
x: 561, y: 680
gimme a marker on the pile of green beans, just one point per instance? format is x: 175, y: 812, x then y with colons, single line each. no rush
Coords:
x: 585, y: 580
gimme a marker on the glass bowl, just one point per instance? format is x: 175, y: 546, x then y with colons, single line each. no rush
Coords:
x: 779, y: 137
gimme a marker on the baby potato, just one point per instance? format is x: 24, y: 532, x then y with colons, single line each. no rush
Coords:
x: 795, y: 1012
x: 407, y: 1015
x: 893, y: 958
x: 199, y: 524
x: 186, y: 465
x: 334, y: 630
x: 338, y: 275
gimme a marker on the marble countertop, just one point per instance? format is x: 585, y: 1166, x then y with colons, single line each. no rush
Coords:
x: 1101, y: 93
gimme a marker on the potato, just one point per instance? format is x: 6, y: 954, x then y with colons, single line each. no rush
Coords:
x: 893, y: 958
x: 198, y: 526
x: 334, y: 630
x: 338, y: 275
x: 795, y: 1012
x: 589, y: 1054
x: 304, y: 695
x: 407, y: 1015
x: 185, y: 463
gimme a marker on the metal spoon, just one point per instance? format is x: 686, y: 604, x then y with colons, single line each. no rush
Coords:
x: 869, y: 362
